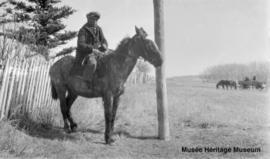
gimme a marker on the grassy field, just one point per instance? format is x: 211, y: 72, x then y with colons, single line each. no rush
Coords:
x: 200, y: 116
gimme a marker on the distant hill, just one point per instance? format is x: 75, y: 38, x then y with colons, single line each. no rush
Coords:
x: 194, y: 78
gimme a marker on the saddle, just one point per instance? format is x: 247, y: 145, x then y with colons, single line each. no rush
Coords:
x: 83, y: 69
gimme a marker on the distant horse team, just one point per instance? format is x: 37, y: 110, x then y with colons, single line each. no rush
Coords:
x: 244, y: 84
x: 226, y: 84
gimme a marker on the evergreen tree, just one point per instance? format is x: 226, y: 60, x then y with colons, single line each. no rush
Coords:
x: 41, y: 25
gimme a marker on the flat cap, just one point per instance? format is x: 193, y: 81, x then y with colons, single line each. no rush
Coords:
x: 95, y: 15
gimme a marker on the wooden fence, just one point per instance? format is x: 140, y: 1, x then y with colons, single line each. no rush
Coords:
x: 26, y: 83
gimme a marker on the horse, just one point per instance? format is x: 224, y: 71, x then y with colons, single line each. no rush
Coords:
x: 232, y: 84
x: 226, y: 84
x: 220, y: 83
x: 223, y: 83
x: 108, y: 81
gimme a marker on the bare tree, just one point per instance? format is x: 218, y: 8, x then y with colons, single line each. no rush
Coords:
x: 237, y: 71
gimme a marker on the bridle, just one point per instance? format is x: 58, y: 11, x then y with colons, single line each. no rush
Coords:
x: 131, y: 53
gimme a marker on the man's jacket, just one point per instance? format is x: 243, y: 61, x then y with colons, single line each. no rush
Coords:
x: 89, y: 39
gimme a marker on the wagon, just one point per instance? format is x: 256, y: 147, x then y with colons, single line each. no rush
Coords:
x: 251, y: 84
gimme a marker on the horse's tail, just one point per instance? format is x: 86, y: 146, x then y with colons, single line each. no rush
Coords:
x: 54, y: 93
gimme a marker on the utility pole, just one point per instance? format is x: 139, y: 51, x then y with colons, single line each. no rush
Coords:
x: 161, y: 89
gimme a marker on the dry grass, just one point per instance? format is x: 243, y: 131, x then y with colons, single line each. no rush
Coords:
x: 200, y: 115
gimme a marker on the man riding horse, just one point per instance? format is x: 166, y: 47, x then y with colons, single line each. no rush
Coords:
x: 91, y: 41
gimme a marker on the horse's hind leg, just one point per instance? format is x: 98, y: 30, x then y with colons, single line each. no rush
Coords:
x: 69, y: 100
x: 61, y: 92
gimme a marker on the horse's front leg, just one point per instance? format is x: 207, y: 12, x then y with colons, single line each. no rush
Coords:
x: 114, y: 110
x: 108, y: 102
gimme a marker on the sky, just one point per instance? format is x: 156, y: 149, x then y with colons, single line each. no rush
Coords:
x: 198, y: 33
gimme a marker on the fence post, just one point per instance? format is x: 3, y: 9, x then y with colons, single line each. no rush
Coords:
x: 11, y: 88
x: 3, y: 89
x: 31, y: 85
x: 19, y: 90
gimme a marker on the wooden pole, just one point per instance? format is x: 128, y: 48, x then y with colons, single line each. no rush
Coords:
x: 47, y: 90
x: 19, y: 90
x: 4, y: 86
x: 23, y: 78
x: 14, y: 70
x: 161, y: 90
x: 31, y: 85
x: 43, y: 85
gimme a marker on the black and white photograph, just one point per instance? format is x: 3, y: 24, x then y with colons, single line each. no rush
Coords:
x: 134, y: 79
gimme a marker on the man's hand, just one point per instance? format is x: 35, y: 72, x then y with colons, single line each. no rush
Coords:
x: 97, y: 53
x: 102, y: 48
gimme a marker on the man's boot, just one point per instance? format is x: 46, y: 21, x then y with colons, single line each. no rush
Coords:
x: 88, y: 74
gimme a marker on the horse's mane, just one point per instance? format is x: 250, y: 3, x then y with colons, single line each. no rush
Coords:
x: 117, y: 55
x: 122, y: 45
x: 118, y: 52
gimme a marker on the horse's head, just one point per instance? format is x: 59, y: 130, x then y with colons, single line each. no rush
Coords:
x: 146, y: 48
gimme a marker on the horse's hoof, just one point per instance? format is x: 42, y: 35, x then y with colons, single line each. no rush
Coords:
x: 67, y: 130
x: 73, y: 128
x: 110, y: 141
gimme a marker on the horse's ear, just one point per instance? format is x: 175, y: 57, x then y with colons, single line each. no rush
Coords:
x: 137, y: 30
x: 143, y: 32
